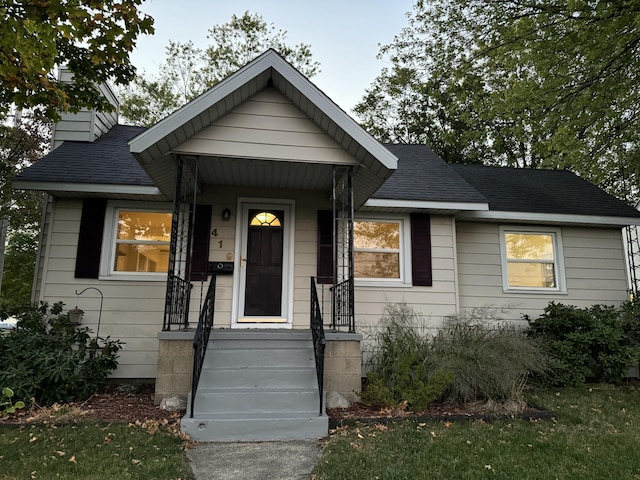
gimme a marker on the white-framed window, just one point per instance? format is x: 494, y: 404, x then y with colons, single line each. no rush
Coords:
x: 381, y: 249
x: 532, y: 259
x: 136, y: 241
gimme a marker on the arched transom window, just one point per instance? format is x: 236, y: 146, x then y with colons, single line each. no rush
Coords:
x: 265, y: 219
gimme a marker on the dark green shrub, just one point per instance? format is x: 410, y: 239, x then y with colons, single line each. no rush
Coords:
x: 50, y: 360
x: 586, y: 344
x: 489, y: 359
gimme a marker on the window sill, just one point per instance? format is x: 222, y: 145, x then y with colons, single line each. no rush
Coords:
x: 133, y: 278
x: 527, y: 291
x: 374, y: 283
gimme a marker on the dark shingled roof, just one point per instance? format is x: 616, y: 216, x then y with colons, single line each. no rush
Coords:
x: 421, y: 176
x: 107, y: 160
x: 542, y: 191
x: 424, y: 176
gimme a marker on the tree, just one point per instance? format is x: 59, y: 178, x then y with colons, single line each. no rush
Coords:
x: 93, y: 38
x: 20, y: 145
x: 189, y: 71
x: 543, y: 84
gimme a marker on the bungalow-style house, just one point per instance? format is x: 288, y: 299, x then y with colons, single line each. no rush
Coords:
x: 244, y: 242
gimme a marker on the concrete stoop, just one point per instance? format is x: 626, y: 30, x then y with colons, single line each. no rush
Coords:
x: 257, y: 386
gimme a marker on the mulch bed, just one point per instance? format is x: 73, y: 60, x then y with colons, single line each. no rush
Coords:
x: 115, y: 405
x: 366, y: 414
x: 119, y: 405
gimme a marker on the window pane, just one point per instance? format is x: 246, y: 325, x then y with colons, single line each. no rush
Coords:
x: 536, y: 275
x: 532, y: 246
x: 144, y: 226
x: 376, y: 235
x: 141, y: 258
x: 376, y: 265
x: 265, y: 219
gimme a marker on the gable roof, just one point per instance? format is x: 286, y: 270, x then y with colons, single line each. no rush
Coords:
x: 475, y: 192
x: 105, y: 166
x: 153, y: 147
x: 557, y: 195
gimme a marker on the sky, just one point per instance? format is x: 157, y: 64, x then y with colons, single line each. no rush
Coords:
x: 345, y: 36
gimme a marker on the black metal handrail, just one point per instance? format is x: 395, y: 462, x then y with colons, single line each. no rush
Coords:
x: 177, y: 302
x: 344, y: 309
x: 319, y: 342
x: 201, y: 338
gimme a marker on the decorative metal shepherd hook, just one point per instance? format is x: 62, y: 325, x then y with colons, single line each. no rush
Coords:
x: 101, y: 300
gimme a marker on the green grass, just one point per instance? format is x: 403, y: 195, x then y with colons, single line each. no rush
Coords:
x: 596, y: 435
x: 90, y: 451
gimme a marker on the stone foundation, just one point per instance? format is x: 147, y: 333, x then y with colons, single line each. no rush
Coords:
x: 175, y: 364
x: 343, y: 364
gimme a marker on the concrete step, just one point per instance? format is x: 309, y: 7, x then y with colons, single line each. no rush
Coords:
x: 257, y: 386
x: 243, y: 358
x: 260, y: 377
x: 243, y: 401
x: 260, y: 429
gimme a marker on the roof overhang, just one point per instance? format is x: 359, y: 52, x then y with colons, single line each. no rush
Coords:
x: 73, y: 189
x: 393, y: 206
x: 154, y: 148
x: 549, y: 218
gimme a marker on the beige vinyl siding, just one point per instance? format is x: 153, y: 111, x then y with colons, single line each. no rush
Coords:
x: 132, y: 311
x: 267, y: 126
x: 86, y: 125
x: 430, y: 303
x: 595, y: 270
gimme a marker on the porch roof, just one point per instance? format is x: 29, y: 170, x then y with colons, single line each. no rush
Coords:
x: 155, y: 147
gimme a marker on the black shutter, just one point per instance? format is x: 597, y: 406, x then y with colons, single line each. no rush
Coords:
x: 201, y: 236
x: 90, y: 238
x: 421, y: 250
x: 325, y: 247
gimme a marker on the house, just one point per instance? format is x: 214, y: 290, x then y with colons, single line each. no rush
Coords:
x: 244, y: 242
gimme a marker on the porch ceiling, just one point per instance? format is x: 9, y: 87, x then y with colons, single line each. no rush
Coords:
x: 155, y: 147
x: 264, y: 173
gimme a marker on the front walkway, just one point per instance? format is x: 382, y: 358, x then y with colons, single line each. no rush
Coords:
x: 263, y: 460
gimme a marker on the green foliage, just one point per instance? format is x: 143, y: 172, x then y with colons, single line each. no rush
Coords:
x: 490, y: 359
x: 50, y: 360
x: 19, y: 262
x: 547, y: 84
x: 7, y: 406
x: 189, y: 71
x: 586, y: 344
x: 469, y: 359
x: 93, y: 38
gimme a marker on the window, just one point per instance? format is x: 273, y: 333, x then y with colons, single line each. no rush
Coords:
x: 142, y: 241
x: 531, y: 260
x: 136, y: 242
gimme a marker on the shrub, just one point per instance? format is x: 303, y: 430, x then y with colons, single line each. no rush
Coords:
x: 489, y: 359
x: 589, y: 344
x: 50, y: 360
x: 398, y: 363
x: 471, y: 358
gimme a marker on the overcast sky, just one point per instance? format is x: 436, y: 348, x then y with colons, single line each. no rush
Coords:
x: 344, y: 35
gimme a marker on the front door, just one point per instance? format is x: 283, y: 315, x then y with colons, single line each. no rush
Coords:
x: 263, y: 268
x: 265, y: 262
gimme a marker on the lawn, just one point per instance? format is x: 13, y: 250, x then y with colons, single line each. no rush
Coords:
x: 595, y: 435
x: 92, y: 451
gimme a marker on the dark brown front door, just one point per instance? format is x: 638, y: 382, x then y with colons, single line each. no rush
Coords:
x: 263, y: 291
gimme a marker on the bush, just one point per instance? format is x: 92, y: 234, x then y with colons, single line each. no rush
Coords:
x: 588, y: 344
x: 470, y: 359
x: 489, y: 359
x: 50, y: 360
x: 397, y: 365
